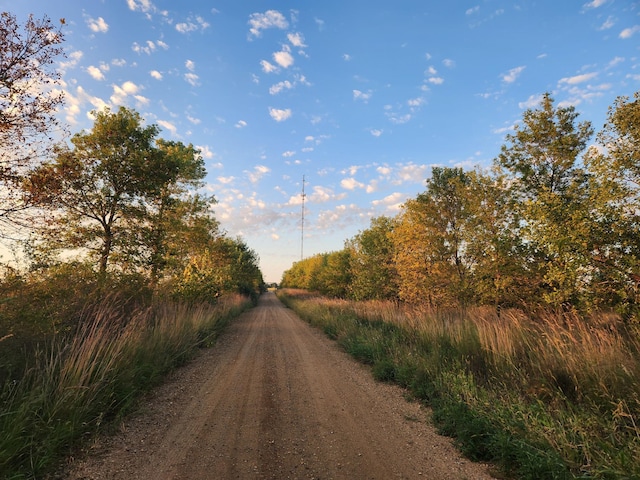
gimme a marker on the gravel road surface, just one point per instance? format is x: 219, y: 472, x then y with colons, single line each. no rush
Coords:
x: 275, y: 399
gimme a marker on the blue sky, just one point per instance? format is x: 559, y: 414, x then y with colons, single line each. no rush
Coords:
x: 361, y: 98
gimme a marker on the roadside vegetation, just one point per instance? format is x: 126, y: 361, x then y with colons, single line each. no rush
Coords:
x: 508, y: 299
x: 552, y: 397
x: 120, y: 271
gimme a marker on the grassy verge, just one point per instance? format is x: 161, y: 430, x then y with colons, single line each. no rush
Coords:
x: 556, y: 397
x: 84, y: 381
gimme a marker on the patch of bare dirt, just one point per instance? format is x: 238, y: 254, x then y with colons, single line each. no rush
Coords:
x: 275, y: 399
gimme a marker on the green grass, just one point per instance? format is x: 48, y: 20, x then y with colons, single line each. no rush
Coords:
x: 550, y: 397
x: 81, y: 382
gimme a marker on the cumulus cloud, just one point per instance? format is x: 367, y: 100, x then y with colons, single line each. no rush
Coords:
x: 98, y: 25
x: 288, y: 153
x: 141, y: 5
x: 192, y: 79
x: 262, y: 21
x: 280, y: 115
x: 192, y: 24
x: 513, y: 74
x: 376, y: 133
x: 241, y: 124
x: 436, y: 80
x: 351, y: 184
x: 296, y: 39
x: 122, y: 92
x: 148, y: 47
x: 358, y: 95
x: 156, y: 74
x: 283, y: 57
x: 190, y: 64
x: 267, y: 67
x: 278, y: 87
x: 95, y: 73
x: 258, y: 172
x: 205, y: 152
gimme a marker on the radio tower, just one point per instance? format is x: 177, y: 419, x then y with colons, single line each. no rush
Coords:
x: 302, y: 223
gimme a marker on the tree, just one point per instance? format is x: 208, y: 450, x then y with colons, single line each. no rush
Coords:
x: 97, y: 187
x: 431, y: 240
x: 372, y: 262
x: 614, y: 170
x: 28, y: 104
x: 168, y: 202
x: 541, y: 159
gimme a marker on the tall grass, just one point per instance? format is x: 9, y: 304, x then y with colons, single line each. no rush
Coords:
x: 80, y: 382
x: 555, y: 396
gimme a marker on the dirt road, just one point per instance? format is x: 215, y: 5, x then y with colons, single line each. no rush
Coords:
x: 275, y: 399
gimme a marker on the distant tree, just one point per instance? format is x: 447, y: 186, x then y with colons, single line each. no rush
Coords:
x: 28, y: 104
x: 372, y: 262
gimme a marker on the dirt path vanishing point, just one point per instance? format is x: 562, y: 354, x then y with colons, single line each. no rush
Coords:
x: 275, y: 399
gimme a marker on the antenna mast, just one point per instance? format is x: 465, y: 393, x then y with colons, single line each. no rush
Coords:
x: 302, y: 223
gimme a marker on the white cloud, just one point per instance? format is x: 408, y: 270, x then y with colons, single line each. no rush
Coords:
x: 168, y: 125
x: 121, y: 92
x: 268, y: 67
x: 192, y: 79
x: 205, y: 152
x: 142, y: 5
x: 283, y: 58
x: 288, y: 153
x: 411, y: 173
x: 447, y: 62
x: 190, y: 64
x: 280, y: 115
x: 192, y: 24
x: 384, y: 171
x: 258, y: 172
x: 226, y: 180
x: 156, y: 74
x: 119, y: 62
x: 346, y: 57
x: 98, y: 25
x: 149, y: 47
x: 358, y: 95
x: 278, y: 87
x: 415, y: 102
x: 391, y: 202
x: 376, y: 132
x: 436, y: 80
x: 74, y: 59
x: 351, y: 184
x: 531, y: 102
x: 595, y: 3
x: 241, y: 124
x: 262, y: 21
x: 629, y: 32
x: 513, y: 74
x: 194, y: 120
x: 585, y: 77
x: 296, y: 39
x: 608, y: 23
x: 95, y: 73
x: 473, y: 10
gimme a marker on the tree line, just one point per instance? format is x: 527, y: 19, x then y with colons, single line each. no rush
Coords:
x: 553, y: 223
x: 117, y: 198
